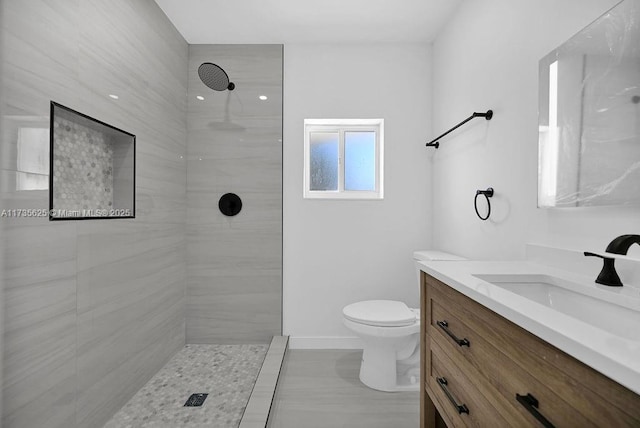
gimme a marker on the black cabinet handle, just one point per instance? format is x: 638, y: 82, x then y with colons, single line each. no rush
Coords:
x: 461, y: 408
x: 445, y: 326
x: 531, y: 404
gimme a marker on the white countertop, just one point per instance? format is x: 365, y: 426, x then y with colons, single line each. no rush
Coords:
x: 614, y: 356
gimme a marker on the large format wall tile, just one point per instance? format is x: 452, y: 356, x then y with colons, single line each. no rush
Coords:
x: 93, y: 308
x: 40, y: 320
x: 234, y: 264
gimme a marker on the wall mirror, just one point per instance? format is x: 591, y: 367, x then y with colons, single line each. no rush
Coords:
x: 589, y: 115
x: 92, y: 168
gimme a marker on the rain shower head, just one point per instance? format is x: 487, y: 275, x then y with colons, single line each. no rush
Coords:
x: 214, y: 77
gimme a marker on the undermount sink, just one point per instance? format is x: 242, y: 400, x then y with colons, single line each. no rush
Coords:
x: 559, y: 295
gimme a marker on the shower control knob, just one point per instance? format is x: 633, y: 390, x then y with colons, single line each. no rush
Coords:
x: 230, y: 204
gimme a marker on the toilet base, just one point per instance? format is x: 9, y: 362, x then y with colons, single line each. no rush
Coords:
x: 381, y: 370
x: 407, y: 377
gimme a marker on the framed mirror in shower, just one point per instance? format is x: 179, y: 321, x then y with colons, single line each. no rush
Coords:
x: 589, y: 114
x: 92, y: 168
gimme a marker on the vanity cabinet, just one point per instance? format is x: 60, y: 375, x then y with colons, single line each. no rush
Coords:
x: 480, y: 370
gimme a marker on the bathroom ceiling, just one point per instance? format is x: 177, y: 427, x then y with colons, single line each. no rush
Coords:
x: 308, y: 21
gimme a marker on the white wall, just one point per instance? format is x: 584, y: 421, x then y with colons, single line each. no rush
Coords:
x: 338, y: 252
x: 487, y: 57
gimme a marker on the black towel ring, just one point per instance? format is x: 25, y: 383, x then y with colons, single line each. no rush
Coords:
x: 487, y: 194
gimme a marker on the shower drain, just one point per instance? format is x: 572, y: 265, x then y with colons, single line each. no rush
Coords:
x: 195, y: 400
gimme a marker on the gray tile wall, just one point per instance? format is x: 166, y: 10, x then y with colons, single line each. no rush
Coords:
x: 234, y: 264
x: 93, y: 308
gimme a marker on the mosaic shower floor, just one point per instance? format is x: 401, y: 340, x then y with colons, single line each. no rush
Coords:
x: 226, y: 372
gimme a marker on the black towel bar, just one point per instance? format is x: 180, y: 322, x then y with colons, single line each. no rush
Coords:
x: 435, y: 143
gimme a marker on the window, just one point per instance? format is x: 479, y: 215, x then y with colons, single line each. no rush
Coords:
x: 343, y: 158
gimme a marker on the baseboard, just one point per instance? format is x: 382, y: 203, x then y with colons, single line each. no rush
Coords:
x: 324, y: 342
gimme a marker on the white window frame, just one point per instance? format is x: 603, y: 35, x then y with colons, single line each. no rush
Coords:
x: 341, y: 126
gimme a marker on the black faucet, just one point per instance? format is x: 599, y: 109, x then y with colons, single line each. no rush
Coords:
x: 620, y: 245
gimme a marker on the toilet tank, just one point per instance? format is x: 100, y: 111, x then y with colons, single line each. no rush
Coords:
x: 426, y: 255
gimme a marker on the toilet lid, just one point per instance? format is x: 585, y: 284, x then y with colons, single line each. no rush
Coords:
x: 382, y: 313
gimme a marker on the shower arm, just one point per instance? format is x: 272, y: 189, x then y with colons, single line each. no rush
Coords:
x: 435, y: 143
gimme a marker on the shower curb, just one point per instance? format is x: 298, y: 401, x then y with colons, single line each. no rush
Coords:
x: 256, y: 414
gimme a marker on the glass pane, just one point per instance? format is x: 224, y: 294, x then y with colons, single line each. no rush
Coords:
x: 360, y: 160
x: 323, y: 160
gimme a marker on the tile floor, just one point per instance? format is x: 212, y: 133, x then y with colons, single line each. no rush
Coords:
x: 321, y: 389
x: 226, y: 372
x: 317, y: 388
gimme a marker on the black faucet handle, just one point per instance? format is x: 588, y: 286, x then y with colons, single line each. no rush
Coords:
x: 608, y: 275
x: 590, y: 254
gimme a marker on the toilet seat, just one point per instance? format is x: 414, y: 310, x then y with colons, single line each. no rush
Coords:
x: 380, y: 313
x: 382, y: 332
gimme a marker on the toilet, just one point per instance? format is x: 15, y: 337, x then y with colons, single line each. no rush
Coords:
x: 390, y: 332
